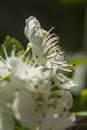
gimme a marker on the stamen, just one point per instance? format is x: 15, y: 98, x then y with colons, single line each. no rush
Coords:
x: 5, y: 52
x: 48, y: 47
x: 48, y: 33
x: 13, y: 51
x: 68, y: 70
x: 49, y: 36
x: 52, y: 55
x: 53, y: 39
x: 6, y: 63
x: 63, y: 65
x: 2, y: 60
x: 61, y: 52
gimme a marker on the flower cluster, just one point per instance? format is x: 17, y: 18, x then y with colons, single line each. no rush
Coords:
x: 34, y: 88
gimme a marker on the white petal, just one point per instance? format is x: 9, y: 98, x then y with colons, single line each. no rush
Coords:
x: 3, y: 69
x: 24, y: 110
x: 63, y: 81
x: 8, y: 88
x: 19, y: 69
x: 33, y: 30
x: 6, y: 119
x: 62, y: 123
x: 47, y: 122
x: 57, y: 123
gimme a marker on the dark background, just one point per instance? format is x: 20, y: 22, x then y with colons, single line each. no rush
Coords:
x: 68, y: 19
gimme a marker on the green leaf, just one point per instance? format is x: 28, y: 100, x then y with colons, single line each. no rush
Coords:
x: 80, y: 102
x: 9, y: 42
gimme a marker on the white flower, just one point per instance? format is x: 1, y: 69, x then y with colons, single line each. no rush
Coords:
x: 44, y: 45
x: 28, y: 82
x: 28, y: 87
x: 57, y: 114
x: 35, y: 78
x: 45, y: 50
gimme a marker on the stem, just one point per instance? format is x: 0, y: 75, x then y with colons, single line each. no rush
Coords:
x: 26, y: 52
x: 5, y: 77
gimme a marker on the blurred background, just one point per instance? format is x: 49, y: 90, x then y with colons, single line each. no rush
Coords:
x: 69, y: 17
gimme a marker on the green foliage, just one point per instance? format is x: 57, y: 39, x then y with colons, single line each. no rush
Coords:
x: 80, y: 103
x: 9, y: 42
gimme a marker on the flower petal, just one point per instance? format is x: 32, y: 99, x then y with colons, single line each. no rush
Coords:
x: 63, y: 81
x: 6, y: 119
x: 24, y: 110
